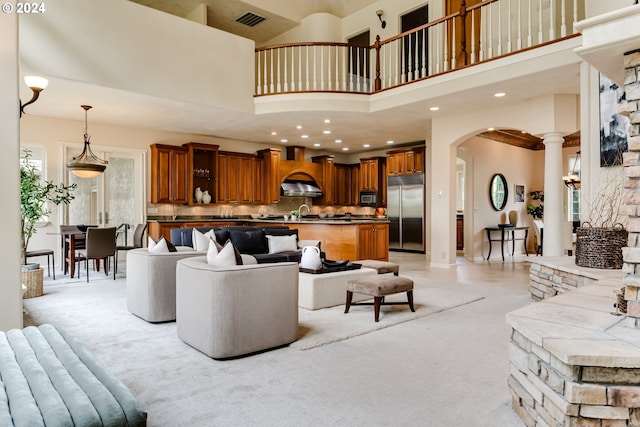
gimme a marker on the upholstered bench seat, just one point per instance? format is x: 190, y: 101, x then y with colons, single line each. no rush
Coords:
x: 47, y: 377
x: 378, y: 287
x: 381, y: 267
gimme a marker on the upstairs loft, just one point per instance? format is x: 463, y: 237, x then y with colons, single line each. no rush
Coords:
x: 206, y: 81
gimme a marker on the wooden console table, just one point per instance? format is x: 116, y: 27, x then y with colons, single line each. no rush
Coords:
x: 507, y: 233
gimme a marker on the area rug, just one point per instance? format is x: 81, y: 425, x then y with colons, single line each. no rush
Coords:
x: 329, y: 325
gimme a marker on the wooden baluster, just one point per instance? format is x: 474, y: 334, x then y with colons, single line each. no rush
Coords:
x: 307, y: 69
x: 315, y: 70
x: 321, y: 67
x: 499, y: 28
x: 425, y: 51
x: 552, y: 20
x: 563, y: 19
x: 575, y: 14
x: 463, y: 33
x: 519, y: 42
x: 258, y: 85
x: 337, y: 72
x: 453, y: 44
x: 378, y: 81
x: 272, y: 74
x: 445, y: 47
x: 509, y: 46
x: 416, y: 58
x: 293, y: 68
x: 300, y: 68
x: 540, y: 21
x: 490, y: 32
x: 284, y: 68
x: 473, y: 36
x: 345, y: 70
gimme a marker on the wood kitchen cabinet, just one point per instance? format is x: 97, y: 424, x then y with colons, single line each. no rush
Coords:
x: 328, y: 180
x: 373, y: 177
x: 405, y: 162
x: 270, y: 175
x: 373, y: 241
x: 239, y: 178
x: 169, y: 174
x: 202, y: 160
x: 250, y: 180
x: 347, y: 184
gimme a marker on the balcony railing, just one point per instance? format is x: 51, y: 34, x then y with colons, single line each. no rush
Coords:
x: 484, y: 31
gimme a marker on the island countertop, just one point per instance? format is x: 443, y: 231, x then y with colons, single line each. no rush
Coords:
x: 272, y: 219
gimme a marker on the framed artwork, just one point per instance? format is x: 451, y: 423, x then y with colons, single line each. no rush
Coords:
x: 613, y: 126
x: 519, y: 193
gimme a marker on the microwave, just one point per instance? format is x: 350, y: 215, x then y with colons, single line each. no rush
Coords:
x: 369, y: 198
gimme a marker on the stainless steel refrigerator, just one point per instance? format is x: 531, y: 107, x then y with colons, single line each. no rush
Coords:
x: 405, y: 211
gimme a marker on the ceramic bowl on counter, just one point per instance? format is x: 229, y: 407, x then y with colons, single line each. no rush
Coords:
x: 329, y: 214
x: 322, y: 215
x: 255, y: 216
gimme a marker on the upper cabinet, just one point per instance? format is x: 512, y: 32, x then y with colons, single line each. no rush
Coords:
x: 201, y: 169
x: 405, y: 162
x: 169, y: 174
x: 329, y: 180
x: 373, y: 177
x: 346, y: 186
x: 239, y: 178
x: 270, y: 175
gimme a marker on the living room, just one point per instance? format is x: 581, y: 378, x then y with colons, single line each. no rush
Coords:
x: 56, y: 135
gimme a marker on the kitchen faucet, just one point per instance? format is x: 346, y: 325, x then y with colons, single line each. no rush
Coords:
x: 300, y: 209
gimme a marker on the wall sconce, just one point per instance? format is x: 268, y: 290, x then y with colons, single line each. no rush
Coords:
x: 383, y: 23
x: 37, y: 85
x: 87, y: 164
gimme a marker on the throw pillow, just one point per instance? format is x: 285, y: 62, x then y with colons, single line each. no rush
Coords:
x: 281, y: 243
x: 249, y: 241
x: 201, y: 240
x: 226, y: 256
x: 213, y: 251
x: 158, y: 247
x: 170, y: 246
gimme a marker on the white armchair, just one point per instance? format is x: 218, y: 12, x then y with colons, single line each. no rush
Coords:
x: 236, y: 310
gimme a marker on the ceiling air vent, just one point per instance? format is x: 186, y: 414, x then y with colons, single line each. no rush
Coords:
x: 250, y: 19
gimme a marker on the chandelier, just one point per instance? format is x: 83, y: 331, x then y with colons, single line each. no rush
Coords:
x: 87, y: 164
x: 573, y: 180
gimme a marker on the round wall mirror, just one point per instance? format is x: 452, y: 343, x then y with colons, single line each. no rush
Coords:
x: 498, y: 191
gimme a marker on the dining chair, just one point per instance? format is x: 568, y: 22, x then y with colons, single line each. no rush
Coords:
x: 539, y: 228
x: 65, y: 241
x: 100, y: 245
x: 138, y: 241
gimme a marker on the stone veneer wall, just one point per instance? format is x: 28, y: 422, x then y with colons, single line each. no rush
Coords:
x: 549, y: 392
x: 631, y: 254
x: 546, y: 281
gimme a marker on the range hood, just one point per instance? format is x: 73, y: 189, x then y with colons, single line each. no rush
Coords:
x: 300, y: 189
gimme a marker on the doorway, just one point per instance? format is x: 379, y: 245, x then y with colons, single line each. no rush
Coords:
x: 415, y: 45
x: 359, y: 62
x: 115, y: 198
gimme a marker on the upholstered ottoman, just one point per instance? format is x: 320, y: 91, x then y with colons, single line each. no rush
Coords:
x: 378, y: 287
x: 381, y: 267
x: 327, y: 290
x: 151, y: 283
x: 236, y: 310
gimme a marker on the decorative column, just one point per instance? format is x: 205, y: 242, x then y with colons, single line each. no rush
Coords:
x: 552, y: 240
x: 631, y: 254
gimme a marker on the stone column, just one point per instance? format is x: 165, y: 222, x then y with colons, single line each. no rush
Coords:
x: 631, y: 254
x: 552, y: 240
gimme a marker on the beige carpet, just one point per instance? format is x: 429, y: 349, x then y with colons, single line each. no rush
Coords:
x: 329, y: 325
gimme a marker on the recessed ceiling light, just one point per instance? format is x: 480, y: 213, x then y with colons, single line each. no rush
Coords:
x: 345, y: 148
x: 274, y: 133
x: 499, y: 94
x: 389, y: 142
x: 304, y: 136
x: 299, y: 127
x: 316, y: 145
x: 366, y: 145
x: 434, y: 108
x: 326, y: 132
x: 284, y: 140
x: 338, y: 141
x: 327, y: 121
x: 491, y: 128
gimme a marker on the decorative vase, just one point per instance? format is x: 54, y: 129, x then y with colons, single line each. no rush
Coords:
x: 198, y: 195
x: 206, y: 197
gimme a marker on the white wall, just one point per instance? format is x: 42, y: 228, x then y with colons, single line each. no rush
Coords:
x: 126, y: 46
x: 10, y: 292
x: 599, y: 7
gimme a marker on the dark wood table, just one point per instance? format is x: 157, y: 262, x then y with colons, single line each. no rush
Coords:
x: 507, y: 233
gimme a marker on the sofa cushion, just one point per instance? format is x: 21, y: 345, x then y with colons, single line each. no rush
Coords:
x: 277, y: 231
x: 281, y: 243
x: 249, y: 241
x: 161, y: 246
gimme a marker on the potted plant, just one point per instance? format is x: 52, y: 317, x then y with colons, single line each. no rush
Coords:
x: 35, y: 196
x: 536, y: 211
x: 294, y: 215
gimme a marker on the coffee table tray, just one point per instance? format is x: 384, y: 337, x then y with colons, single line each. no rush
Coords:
x: 325, y: 269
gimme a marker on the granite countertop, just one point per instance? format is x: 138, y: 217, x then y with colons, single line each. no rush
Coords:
x: 311, y: 219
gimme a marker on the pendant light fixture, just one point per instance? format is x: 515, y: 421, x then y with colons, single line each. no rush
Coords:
x: 87, y: 164
x: 573, y: 180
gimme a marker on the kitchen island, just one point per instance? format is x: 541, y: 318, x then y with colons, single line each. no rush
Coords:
x: 342, y: 239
